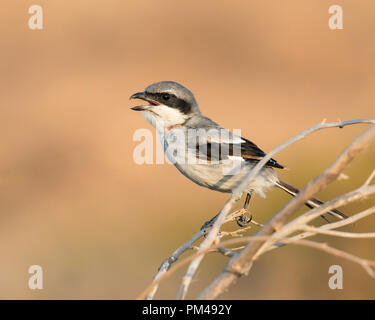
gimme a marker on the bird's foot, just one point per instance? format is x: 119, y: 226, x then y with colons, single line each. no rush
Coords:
x: 243, y: 220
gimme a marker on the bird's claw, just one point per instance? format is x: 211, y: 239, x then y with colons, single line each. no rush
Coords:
x: 243, y: 220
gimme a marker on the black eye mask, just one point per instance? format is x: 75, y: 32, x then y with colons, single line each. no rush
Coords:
x: 171, y: 100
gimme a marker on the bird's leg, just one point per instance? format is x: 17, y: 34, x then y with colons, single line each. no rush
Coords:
x: 243, y: 220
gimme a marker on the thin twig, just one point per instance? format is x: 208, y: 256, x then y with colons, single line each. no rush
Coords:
x: 226, y: 243
x: 241, y: 264
x: 207, y: 243
x: 165, y: 266
x: 334, y: 225
x: 214, y: 232
x: 336, y: 233
x: 369, y: 179
x: 301, y: 222
x: 186, y: 280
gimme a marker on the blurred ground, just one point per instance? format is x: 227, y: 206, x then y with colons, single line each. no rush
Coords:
x: 73, y: 201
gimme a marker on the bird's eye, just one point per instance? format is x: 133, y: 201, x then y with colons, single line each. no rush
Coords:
x: 166, y: 96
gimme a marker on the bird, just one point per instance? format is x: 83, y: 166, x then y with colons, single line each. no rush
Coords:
x: 205, y: 152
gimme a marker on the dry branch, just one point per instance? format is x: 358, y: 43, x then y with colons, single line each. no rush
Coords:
x: 266, y: 239
x: 165, y: 266
x: 241, y: 264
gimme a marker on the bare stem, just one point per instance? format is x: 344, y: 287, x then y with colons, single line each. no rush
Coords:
x: 241, y: 264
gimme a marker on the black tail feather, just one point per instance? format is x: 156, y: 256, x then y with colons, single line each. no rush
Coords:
x: 311, y: 203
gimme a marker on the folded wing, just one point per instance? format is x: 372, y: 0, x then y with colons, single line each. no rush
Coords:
x: 244, y: 148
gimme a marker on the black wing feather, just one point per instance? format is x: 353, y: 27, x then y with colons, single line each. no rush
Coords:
x: 220, y: 151
x: 251, y: 152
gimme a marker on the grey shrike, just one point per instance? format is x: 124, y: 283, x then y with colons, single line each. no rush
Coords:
x: 208, y: 154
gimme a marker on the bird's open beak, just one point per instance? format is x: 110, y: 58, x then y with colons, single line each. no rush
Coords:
x: 142, y: 96
x: 139, y: 95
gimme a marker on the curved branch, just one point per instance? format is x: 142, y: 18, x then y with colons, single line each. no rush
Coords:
x: 241, y: 264
x: 150, y: 291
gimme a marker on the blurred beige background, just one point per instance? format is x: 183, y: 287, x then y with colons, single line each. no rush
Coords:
x: 73, y: 201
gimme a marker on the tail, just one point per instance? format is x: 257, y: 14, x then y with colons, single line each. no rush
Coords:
x: 312, y: 203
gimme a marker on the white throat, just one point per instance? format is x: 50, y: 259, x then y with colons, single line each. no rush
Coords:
x: 162, y: 117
